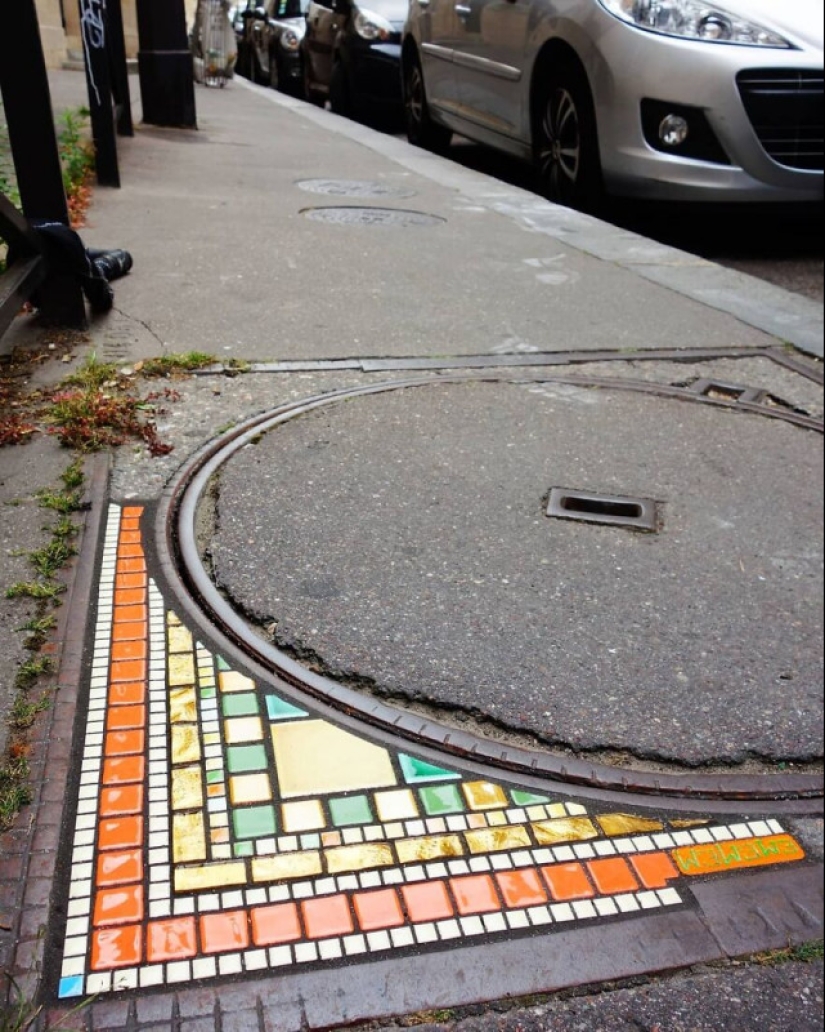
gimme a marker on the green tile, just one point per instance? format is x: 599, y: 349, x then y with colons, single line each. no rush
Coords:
x: 278, y: 709
x: 350, y: 810
x: 253, y: 822
x: 242, y: 705
x: 221, y: 662
x: 243, y: 849
x: 528, y: 798
x: 440, y: 799
x: 208, y: 693
x: 241, y: 758
x: 214, y: 777
x: 417, y: 771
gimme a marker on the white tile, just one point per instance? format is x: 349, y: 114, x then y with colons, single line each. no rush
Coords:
x: 626, y: 902
x: 517, y: 919
x: 415, y: 874
x: 479, y: 864
x: 127, y: 979
x: 230, y: 964
x: 494, y: 922
x: 584, y: 908
x: 401, y: 937
x: 179, y: 971
x: 152, y: 975
x: 354, y: 944
x: 682, y: 838
x: 425, y: 933
x: 73, y: 966
x: 563, y: 854
x: 330, y: 949
x: 449, y: 929
x: 471, y: 925
x: 457, y: 867
x: 379, y: 941
x: 204, y: 967
x: 759, y: 828
x: 663, y: 841
x: 393, y: 877
x: 347, y: 882
x: 542, y: 856
x: 539, y: 915
x: 606, y: 906
x: 306, y: 952
x: 522, y: 859
x: 75, y: 947
x: 647, y: 900
x: 669, y: 896
x: 702, y: 835
x: 643, y: 843
x: 99, y: 983
x: 501, y: 862
x: 721, y: 834
x: 584, y: 851
x: 370, y: 879
x: 279, y: 956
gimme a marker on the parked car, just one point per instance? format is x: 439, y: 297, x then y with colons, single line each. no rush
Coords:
x: 272, y: 39
x: 352, y: 55
x: 675, y: 100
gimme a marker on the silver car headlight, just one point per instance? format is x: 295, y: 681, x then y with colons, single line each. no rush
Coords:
x: 371, y: 26
x: 289, y: 40
x: 692, y: 19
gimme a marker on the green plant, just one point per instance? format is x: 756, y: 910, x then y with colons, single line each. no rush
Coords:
x: 175, y: 363
x: 23, y: 712
x: 52, y: 557
x: 14, y: 790
x: 76, y: 156
x: 31, y: 589
x: 29, y: 671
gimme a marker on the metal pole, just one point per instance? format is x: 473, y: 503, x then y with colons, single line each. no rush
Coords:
x: 119, y: 71
x: 94, y: 26
x: 167, y: 82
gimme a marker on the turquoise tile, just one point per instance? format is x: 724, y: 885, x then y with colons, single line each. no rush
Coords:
x: 441, y: 799
x: 241, y: 705
x: 350, y: 810
x: 244, y: 849
x: 69, y: 987
x: 280, y: 710
x: 254, y: 822
x: 221, y: 663
x: 417, y: 771
x: 528, y: 798
x: 242, y: 758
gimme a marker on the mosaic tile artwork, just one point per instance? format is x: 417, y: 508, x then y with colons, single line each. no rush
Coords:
x: 222, y: 829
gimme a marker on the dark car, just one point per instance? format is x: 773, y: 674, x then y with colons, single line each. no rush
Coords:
x: 352, y: 55
x: 272, y: 41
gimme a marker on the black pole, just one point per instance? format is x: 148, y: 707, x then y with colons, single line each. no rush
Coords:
x: 94, y: 26
x: 24, y: 86
x: 167, y: 81
x: 119, y: 71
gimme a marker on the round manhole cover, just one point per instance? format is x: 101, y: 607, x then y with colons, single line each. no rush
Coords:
x: 353, y: 188
x: 372, y: 217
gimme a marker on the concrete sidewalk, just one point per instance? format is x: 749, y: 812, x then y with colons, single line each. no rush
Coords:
x: 353, y: 736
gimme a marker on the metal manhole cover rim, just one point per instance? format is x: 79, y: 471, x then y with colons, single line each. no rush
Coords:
x: 396, y: 217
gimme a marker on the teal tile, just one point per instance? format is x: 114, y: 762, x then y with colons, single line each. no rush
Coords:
x: 241, y: 705
x: 280, y: 710
x: 251, y: 823
x: 241, y: 758
x: 528, y: 798
x: 221, y: 663
x: 417, y: 771
x: 441, y: 799
x: 350, y: 810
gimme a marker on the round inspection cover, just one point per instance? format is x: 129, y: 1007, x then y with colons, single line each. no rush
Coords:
x: 384, y: 217
x: 353, y: 188
x: 401, y: 541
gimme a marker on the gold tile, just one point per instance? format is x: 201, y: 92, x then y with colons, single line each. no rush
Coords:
x: 556, y: 810
x: 186, y: 746
x: 313, y: 757
x: 567, y: 829
x: 183, y: 706
x: 172, y: 620
x: 210, y: 876
x: 429, y: 848
x: 491, y: 840
x: 232, y: 681
x: 187, y: 789
x: 358, y: 858
x: 536, y: 813
x: 308, y: 815
x: 484, y: 795
x: 243, y: 729
x: 181, y: 670
x: 627, y: 824
x: 249, y: 788
x: 180, y: 640
x: 497, y: 819
x: 288, y: 865
x: 188, y: 837
x: 396, y: 806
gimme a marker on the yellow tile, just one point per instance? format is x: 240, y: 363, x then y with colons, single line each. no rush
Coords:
x: 308, y: 815
x: 210, y: 876
x: 232, y: 681
x: 536, y: 813
x: 172, y: 620
x: 243, y: 729
x: 187, y: 789
x: 212, y: 738
x: 313, y: 757
x: 180, y: 640
x: 429, y: 848
x: 181, y: 670
x: 567, y: 829
x: 396, y: 806
x: 288, y: 865
x: 186, y: 746
x: 188, y: 837
x: 491, y: 840
x: 627, y: 824
x: 249, y: 788
x: 497, y: 819
x: 692, y: 823
x: 359, y: 858
x: 484, y: 795
x: 183, y: 706
x: 556, y: 810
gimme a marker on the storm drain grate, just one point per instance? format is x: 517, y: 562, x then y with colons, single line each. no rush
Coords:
x: 614, y: 510
x: 352, y: 188
x: 728, y: 391
x: 392, y: 217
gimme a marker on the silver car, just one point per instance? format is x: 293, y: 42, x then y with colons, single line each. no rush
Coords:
x: 676, y: 100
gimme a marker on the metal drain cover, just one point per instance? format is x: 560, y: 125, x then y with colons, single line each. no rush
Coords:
x: 615, y: 510
x: 372, y: 217
x: 352, y: 188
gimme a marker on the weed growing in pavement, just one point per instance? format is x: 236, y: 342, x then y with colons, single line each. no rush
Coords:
x: 805, y: 952
x: 32, y: 589
x: 168, y: 365
x: 14, y: 786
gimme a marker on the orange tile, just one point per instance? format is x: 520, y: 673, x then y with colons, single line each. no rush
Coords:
x: 126, y: 650
x: 130, y: 580
x: 127, y: 693
x: 274, y: 924
x: 132, y: 613
x: 475, y: 894
x: 120, y: 868
x: 567, y: 881
x: 130, y: 537
x: 120, y: 833
x: 327, y: 916
x: 132, y: 670
x: 427, y: 901
x: 119, y: 906
x: 116, y: 947
x: 130, y: 512
x: 122, y: 743
x: 380, y: 909
x: 655, y: 870
x: 129, y: 550
x: 129, y: 631
x: 123, y: 770
x: 125, y: 799
x: 122, y: 718
x: 612, y: 875
x: 172, y: 939
x: 223, y: 932
x: 130, y: 566
x: 132, y: 597
x: 521, y: 888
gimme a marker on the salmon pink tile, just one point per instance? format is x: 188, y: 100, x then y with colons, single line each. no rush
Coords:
x: 380, y: 909
x: 118, y: 906
x: 327, y: 916
x: 567, y: 881
x: 655, y: 870
x: 475, y: 894
x: 116, y: 947
x: 612, y: 875
x: 123, y: 770
x: 276, y: 924
x: 120, y: 833
x: 173, y: 939
x: 124, y: 799
x: 120, y: 868
x: 427, y: 901
x: 223, y: 932
x: 125, y: 717
x: 521, y: 888
x: 123, y: 743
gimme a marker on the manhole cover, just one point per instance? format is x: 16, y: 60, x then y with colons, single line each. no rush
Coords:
x: 372, y: 217
x: 352, y: 188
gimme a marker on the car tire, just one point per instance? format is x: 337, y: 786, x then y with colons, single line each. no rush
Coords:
x: 565, y: 141
x: 274, y: 72
x: 421, y: 129
x: 340, y: 99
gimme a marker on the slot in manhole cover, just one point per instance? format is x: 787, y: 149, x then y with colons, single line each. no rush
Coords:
x: 372, y: 217
x: 353, y: 188
x: 615, y: 510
